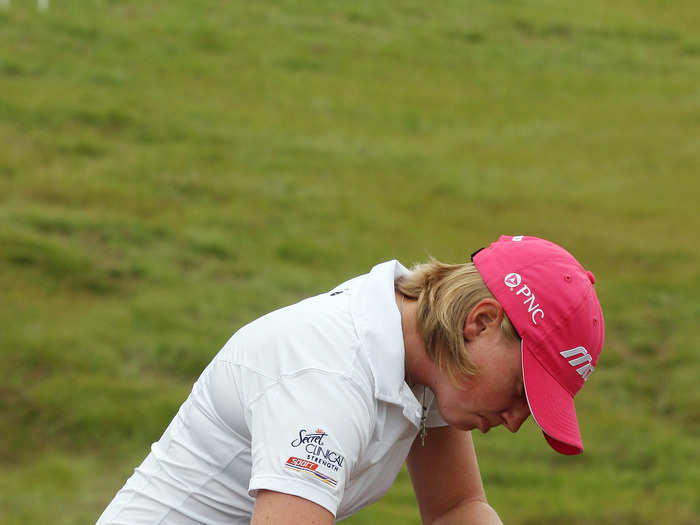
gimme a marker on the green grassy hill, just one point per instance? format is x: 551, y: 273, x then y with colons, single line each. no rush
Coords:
x: 171, y: 170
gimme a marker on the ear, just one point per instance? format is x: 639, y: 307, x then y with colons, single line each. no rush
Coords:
x: 486, y: 315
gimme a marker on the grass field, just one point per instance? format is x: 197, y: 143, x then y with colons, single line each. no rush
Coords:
x: 171, y: 170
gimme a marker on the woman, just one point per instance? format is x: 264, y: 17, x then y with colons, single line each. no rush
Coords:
x: 307, y: 414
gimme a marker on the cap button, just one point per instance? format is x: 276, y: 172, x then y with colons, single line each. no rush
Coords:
x: 591, y: 277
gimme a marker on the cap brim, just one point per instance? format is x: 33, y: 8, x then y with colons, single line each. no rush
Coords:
x: 551, y: 406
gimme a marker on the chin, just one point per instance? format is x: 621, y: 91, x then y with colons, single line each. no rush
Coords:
x: 460, y: 424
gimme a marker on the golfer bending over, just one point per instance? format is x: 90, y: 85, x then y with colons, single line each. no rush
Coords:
x: 307, y: 414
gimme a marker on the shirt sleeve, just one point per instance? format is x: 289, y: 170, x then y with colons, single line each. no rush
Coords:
x: 308, y: 430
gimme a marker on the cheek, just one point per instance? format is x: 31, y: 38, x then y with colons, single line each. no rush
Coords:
x: 491, y: 396
x: 499, y: 385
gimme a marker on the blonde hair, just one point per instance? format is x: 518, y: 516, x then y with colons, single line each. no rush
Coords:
x: 446, y: 293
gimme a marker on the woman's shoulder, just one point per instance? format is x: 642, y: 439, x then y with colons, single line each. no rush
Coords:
x: 316, y: 333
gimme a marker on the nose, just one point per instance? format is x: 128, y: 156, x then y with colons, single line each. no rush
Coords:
x: 516, y: 416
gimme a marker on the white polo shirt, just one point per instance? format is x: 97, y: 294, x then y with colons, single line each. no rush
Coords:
x: 308, y: 400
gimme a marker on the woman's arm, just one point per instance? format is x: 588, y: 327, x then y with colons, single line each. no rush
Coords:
x: 447, y: 481
x: 277, y: 508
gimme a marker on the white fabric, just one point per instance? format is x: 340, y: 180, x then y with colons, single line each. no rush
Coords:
x: 308, y: 400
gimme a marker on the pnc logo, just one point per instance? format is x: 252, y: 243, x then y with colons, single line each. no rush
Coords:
x: 514, y: 280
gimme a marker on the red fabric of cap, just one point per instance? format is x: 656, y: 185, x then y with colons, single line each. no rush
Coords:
x: 551, y: 406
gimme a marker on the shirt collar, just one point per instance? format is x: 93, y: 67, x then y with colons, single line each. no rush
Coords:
x: 378, y: 324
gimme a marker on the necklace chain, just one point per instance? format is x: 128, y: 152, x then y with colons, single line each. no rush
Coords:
x: 423, y: 417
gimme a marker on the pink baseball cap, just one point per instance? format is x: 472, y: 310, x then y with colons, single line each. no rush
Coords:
x: 550, y: 299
